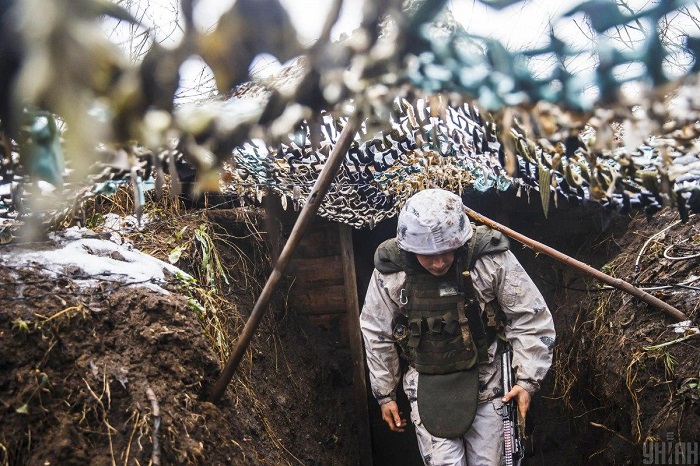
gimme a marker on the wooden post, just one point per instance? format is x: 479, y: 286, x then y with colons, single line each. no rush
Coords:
x: 603, y: 277
x: 356, y: 348
x: 325, y: 178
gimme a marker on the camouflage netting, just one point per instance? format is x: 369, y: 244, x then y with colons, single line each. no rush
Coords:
x: 378, y: 173
x: 458, y: 149
x: 438, y: 104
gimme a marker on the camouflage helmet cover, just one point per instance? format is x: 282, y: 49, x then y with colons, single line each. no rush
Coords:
x: 431, y: 222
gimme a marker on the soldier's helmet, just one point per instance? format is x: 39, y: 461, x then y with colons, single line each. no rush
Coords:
x: 433, y: 221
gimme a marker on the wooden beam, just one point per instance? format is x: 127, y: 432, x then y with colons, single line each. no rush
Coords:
x: 618, y: 283
x: 356, y: 348
x: 317, y: 300
x: 313, y: 202
x: 316, y: 269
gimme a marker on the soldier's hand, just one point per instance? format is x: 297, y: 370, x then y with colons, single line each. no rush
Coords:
x: 522, y: 398
x: 392, y: 416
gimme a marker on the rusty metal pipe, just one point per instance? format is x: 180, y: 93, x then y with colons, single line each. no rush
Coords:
x: 551, y: 252
x: 305, y: 217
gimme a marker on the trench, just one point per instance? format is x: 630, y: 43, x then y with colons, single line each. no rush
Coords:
x: 296, y: 396
x: 584, y: 232
x: 556, y: 433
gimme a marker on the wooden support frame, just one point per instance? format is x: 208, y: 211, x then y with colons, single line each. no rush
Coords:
x: 355, y: 339
x: 325, y: 178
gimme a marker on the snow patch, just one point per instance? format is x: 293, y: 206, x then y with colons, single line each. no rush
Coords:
x: 95, y: 259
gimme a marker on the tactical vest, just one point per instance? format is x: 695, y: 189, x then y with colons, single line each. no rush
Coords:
x: 442, y: 329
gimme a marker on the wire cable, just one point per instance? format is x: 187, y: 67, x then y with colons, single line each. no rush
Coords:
x: 679, y: 258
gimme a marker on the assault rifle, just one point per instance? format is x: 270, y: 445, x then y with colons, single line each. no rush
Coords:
x: 513, y: 449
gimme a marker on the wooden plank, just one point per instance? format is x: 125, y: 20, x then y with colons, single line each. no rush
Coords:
x: 317, y: 269
x: 355, y: 340
x: 320, y: 300
x: 320, y: 240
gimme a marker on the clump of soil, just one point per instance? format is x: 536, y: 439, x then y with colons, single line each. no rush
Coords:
x: 120, y: 374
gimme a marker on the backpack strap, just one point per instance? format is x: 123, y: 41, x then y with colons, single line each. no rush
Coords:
x: 485, y: 240
x: 473, y: 316
x: 484, y: 326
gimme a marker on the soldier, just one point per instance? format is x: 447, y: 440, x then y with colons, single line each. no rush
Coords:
x: 449, y: 297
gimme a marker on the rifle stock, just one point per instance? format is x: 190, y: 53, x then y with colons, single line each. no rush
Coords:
x: 512, y: 446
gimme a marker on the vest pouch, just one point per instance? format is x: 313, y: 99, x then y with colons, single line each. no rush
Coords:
x: 447, y: 402
x: 435, y: 324
x: 415, y: 329
x: 434, y: 318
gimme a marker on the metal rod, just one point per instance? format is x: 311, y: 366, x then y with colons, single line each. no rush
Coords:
x: 305, y: 217
x: 616, y: 282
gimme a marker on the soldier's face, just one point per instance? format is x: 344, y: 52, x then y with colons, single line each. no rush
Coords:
x: 437, y: 264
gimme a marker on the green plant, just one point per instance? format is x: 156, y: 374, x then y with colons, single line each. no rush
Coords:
x: 669, y: 365
x: 669, y: 360
x: 20, y: 326
x: 204, y: 302
x: 180, y: 247
x: 690, y: 387
x: 96, y: 220
x: 202, y: 249
x: 211, y: 262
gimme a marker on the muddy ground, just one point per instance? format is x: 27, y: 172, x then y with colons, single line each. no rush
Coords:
x: 623, y: 367
x: 77, y: 366
x: 119, y: 374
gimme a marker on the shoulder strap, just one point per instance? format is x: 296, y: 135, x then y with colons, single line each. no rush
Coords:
x: 387, y: 257
x: 473, y: 315
x: 485, y: 240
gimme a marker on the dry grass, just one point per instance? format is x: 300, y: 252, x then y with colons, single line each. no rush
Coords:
x: 226, y: 270
x: 192, y: 242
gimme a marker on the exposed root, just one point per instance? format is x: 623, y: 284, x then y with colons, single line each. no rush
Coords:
x: 5, y: 458
x: 630, y: 378
x: 45, y: 320
x: 155, y: 413
x: 136, y: 416
x: 102, y: 413
x: 615, y: 433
